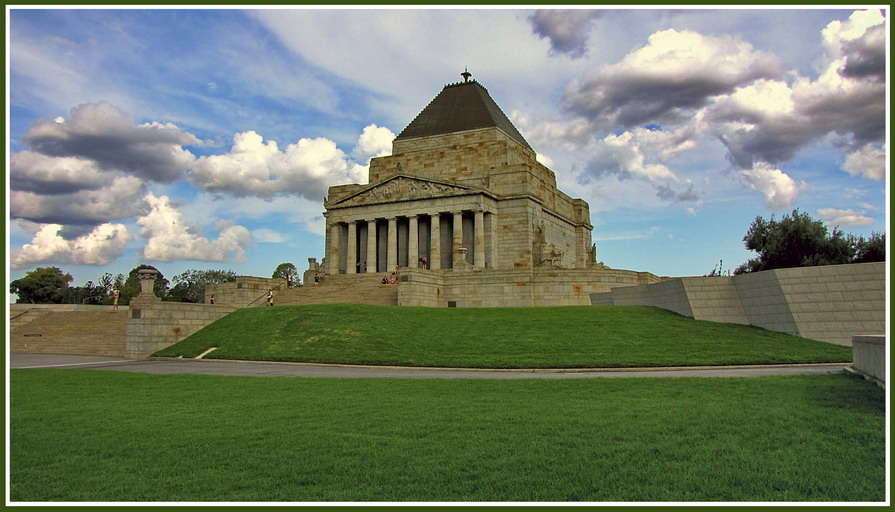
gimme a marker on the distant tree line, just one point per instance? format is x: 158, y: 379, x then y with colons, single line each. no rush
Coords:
x: 50, y: 285
x: 797, y: 240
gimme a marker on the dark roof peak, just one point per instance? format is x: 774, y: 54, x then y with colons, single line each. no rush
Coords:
x: 459, y: 107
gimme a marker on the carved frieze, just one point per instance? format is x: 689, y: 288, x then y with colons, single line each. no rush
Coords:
x: 402, y: 189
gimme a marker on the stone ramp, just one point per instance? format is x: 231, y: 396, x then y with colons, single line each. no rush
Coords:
x: 344, y: 289
x: 101, y: 332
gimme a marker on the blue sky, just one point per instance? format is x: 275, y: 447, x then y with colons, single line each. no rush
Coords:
x: 206, y: 138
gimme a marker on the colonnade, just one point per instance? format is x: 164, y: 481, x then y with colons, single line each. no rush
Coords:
x: 380, y: 244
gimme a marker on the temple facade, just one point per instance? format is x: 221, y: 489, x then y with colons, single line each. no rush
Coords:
x: 461, y: 192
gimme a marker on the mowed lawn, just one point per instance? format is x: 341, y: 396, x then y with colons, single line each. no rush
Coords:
x: 97, y: 436
x: 551, y: 337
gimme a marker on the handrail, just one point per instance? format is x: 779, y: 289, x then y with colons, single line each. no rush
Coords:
x: 23, y: 313
x: 277, y: 287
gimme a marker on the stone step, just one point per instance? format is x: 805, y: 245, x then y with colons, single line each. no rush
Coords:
x: 351, y: 288
x: 72, y: 332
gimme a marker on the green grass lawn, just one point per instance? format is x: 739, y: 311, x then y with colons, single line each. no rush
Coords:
x: 554, y: 337
x: 81, y: 435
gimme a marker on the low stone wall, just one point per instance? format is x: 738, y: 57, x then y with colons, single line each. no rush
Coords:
x: 869, y: 357
x: 154, y: 324
x: 246, y: 291
x: 511, y: 288
x: 830, y: 303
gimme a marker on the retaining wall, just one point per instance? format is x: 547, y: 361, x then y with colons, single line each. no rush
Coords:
x: 869, y: 357
x: 475, y: 288
x: 830, y: 303
x: 154, y: 324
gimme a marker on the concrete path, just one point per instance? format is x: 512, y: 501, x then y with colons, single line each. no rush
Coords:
x: 267, y: 369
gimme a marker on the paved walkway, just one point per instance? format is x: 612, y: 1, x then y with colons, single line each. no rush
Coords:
x: 268, y: 369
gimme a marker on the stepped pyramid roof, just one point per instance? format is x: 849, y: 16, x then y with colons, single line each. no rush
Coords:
x: 459, y: 107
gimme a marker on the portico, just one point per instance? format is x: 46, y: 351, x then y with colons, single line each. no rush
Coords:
x: 370, y: 242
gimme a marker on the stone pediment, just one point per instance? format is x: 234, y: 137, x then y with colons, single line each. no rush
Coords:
x: 403, y: 188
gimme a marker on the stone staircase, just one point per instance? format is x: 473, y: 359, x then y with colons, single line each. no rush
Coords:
x: 96, y: 333
x: 343, y: 288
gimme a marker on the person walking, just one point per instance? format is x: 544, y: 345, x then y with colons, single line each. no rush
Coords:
x: 270, y: 297
x: 115, y: 299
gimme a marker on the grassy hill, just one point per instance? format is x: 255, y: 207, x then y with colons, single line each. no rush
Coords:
x: 559, y: 337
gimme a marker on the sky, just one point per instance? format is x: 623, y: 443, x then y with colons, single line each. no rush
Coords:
x: 207, y: 138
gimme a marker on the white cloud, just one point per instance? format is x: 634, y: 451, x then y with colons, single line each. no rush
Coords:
x: 34, y: 172
x: 99, y: 247
x: 676, y: 71
x: 868, y: 161
x: 779, y: 189
x: 623, y: 156
x: 375, y: 141
x: 834, y: 217
x: 169, y: 237
x: 257, y: 168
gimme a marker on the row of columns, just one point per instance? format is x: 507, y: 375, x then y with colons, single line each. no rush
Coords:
x: 413, y: 249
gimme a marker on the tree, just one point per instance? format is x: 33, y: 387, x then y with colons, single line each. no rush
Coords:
x: 43, y: 285
x: 190, y: 285
x: 872, y: 249
x: 288, y: 272
x: 131, y: 286
x: 797, y: 240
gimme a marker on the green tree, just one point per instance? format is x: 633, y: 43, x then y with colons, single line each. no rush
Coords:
x: 871, y: 249
x: 797, y: 240
x: 43, y: 285
x: 288, y: 272
x: 190, y: 285
x: 130, y: 288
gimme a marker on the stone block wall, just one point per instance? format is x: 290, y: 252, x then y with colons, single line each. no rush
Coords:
x: 246, y: 291
x: 869, y: 356
x: 154, y: 324
x: 510, y: 288
x: 829, y: 303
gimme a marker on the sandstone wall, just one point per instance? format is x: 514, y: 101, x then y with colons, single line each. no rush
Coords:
x: 511, y: 288
x: 829, y: 303
x: 154, y: 324
x: 869, y: 357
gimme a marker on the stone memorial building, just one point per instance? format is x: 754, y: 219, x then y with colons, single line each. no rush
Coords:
x: 463, y: 207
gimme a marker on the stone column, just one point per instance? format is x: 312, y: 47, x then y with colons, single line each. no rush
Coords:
x: 371, y: 246
x: 435, y: 242
x: 392, y: 258
x: 413, y: 238
x: 332, y: 258
x: 351, y: 265
x: 458, y: 238
x: 492, y: 246
x: 479, y: 244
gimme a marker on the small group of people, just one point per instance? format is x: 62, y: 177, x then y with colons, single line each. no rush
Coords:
x: 392, y: 279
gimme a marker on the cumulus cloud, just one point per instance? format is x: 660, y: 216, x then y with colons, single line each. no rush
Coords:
x: 676, y: 71
x: 121, y: 198
x: 169, y: 237
x: 33, y: 172
x: 779, y: 189
x: 98, y: 247
x: 868, y: 161
x: 566, y: 29
x: 375, y: 141
x: 109, y: 137
x: 623, y: 156
x: 834, y: 217
x: 307, y: 168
